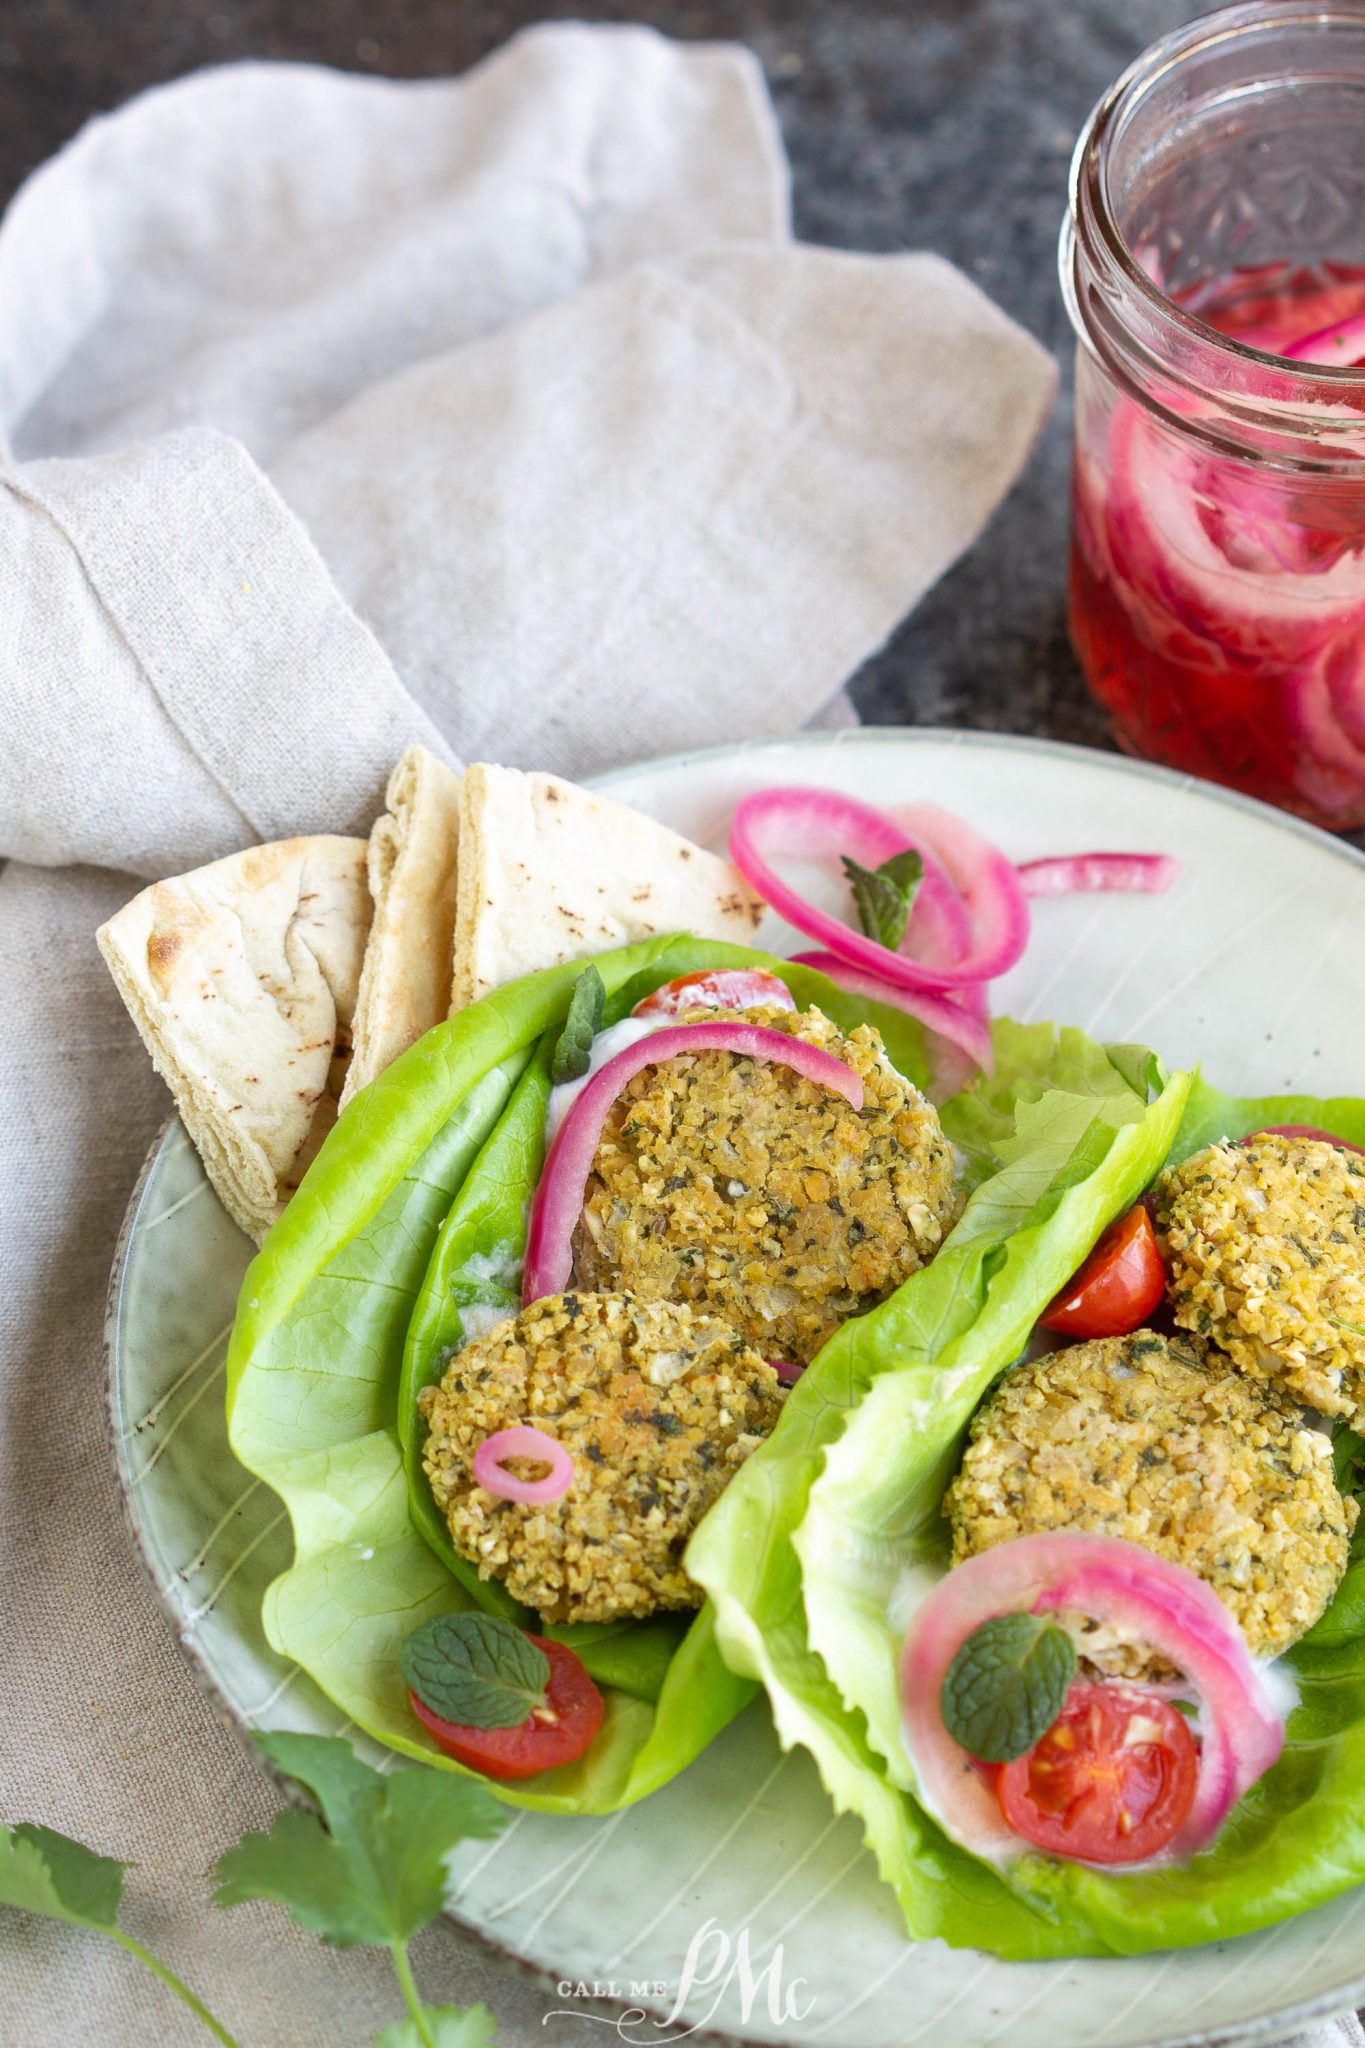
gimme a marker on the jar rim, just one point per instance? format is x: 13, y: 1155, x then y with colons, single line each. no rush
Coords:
x: 1091, y: 230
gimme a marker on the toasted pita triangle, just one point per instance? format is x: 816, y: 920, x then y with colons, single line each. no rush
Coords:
x: 242, y: 979
x: 550, y: 872
x: 405, y: 981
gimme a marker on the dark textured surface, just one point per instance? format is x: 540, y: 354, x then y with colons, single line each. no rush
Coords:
x: 939, y: 124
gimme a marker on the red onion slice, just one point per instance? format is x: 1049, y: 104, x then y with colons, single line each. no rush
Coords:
x: 988, y: 884
x: 1146, y: 1596
x: 1072, y: 874
x: 960, y: 1022
x: 1339, y: 346
x: 558, y: 1199
x: 522, y: 1441
x: 786, y: 1371
x: 962, y: 872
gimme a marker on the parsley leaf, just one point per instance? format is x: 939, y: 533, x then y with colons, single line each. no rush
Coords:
x: 44, y: 1872
x: 573, y: 1052
x: 376, y: 1871
x: 882, y: 896
x: 476, y: 1669
x: 1007, y: 1685
x: 445, y: 2026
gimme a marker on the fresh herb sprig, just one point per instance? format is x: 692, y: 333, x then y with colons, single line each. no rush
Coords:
x: 883, y: 897
x: 47, y: 1873
x: 369, y: 1868
x: 573, y: 1050
x: 1007, y: 1685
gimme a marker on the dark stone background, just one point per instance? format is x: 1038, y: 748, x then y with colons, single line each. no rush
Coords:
x: 937, y: 124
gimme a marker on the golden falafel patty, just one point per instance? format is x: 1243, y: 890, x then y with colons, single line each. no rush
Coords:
x: 1265, y: 1241
x: 657, y: 1407
x: 741, y: 1187
x: 1161, y: 1441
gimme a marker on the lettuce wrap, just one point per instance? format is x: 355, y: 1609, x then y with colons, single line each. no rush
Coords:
x: 869, y: 1522
x: 413, y: 1213
x: 406, y: 1236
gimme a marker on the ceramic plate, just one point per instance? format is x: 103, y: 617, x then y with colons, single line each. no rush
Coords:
x: 1252, y: 964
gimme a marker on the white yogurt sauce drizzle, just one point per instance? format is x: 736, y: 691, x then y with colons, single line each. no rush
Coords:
x: 605, y: 1046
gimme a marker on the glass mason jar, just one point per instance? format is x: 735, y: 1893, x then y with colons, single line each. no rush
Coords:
x: 1214, y: 268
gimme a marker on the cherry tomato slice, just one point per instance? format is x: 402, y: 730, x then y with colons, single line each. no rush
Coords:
x: 533, y: 1744
x: 723, y: 988
x: 1112, y: 1781
x: 1119, y: 1285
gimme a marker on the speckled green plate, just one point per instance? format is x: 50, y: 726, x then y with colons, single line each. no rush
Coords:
x: 1254, y: 964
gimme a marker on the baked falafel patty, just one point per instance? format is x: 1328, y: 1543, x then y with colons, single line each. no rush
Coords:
x: 1161, y: 1441
x: 741, y: 1187
x: 1265, y: 1242
x: 657, y: 1407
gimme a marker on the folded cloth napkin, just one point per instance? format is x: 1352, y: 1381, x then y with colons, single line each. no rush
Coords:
x: 501, y: 415
x: 604, y: 461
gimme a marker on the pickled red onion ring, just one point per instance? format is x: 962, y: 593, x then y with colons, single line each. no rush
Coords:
x: 1339, y: 346
x: 522, y: 1441
x: 1149, y: 1598
x: 962, y: 872
x: 786, y: 1371
x: 1069, y: 874
x: 961, y: 1021
x: 824, y: 821
x: 558, y: 1200
x: 987, y: 883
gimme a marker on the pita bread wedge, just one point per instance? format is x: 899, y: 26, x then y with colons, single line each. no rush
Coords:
x: 550, y: 872
x: 405, y: 981
x: 242, y: 979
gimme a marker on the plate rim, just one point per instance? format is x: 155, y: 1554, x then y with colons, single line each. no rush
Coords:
x: 1265, y: 2027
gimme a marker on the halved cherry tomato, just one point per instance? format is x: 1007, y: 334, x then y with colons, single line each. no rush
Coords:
x: 1112, y: 1781
x: 722, y: 988
x: 1117, y: 1288
x: 558, y: 1733
x: 1302, y: 1131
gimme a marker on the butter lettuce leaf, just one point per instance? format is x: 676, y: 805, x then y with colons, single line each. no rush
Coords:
x: 873, y: 1534
x: 801, y: 1590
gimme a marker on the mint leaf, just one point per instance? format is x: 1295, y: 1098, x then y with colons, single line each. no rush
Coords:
x: 882, y: 896
x: 1007, y: 1685
x: 573, y: 1052
x: 44, y: 1872
x: 376, y: 1871
x: 476, y: 1669
x: 446, y: 2027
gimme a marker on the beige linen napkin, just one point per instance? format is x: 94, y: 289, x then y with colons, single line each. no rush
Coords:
x: 525, y: 367
x: 607, y: 463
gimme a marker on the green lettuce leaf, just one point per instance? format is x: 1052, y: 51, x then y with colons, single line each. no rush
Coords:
x: 1210, y: 1115
x: 873, y: 1532
x: 845, y: 1493
x: 350, y: 1307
